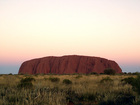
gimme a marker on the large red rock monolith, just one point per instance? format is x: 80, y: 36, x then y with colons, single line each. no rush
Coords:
x: 68, y: 65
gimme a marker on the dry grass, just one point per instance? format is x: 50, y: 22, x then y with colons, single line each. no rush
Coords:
x: 84, y: 90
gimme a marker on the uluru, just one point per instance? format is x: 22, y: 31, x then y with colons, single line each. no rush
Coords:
x: 69, y: 64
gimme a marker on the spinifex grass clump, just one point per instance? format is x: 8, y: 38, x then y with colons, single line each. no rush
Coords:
x: 78, y: 76
x: 54, y: 79
x: 120, y: 98
x: 88, y: 90
x: 83, y: 98
x: 128, y: 80
x: 135, y: 82
x: 107, y: 83
x: 26, y: 83
x: 67, y: 81
x: 106, y: 79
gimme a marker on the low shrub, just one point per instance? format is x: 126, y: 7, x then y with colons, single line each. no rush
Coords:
x: 136, y: 73
x: 135, y: 82
x: 67, y: 81
x: 125, y: 99
x: 93, y: 73
x: 121, y: 98
x: 79, y: 76
x: 26, y: 83
x: 54, y: 79
x: 74, y: 74
x: 129, y: 80
x: 109, y: 71
x: 101, y: 73
x: 124, y: 73
x: 106, y: 79
x: 80, y: 98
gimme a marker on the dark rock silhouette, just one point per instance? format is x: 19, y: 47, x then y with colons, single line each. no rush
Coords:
x: 68, y: 65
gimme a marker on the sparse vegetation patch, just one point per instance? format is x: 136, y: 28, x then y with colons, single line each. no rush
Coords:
x: 106, y: 79
x: 66, y: 90
x: 26, y: 83
x: 67, y: 81
x: 109, y: 71
x: 54, y: 79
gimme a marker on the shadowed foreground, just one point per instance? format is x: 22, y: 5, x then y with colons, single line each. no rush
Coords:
x: 67, y: 90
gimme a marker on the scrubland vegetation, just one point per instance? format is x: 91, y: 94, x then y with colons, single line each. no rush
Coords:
x: 91, y: 89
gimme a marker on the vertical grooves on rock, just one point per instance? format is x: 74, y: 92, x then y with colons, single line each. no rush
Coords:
x: 35, y: 66
x: 77, y: 68
x: 50, y: 64
x: 86, y: 66
x: 66, y: 65
x: 58, y: 66
x: 55, y: 62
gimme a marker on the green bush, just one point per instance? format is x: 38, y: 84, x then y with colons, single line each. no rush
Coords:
x: 121, y: 98
x: 109, y: 71
x: 129, y: 80
x: 136, y: 73
x: 67, y: 81
x: 27, y: 79
x: 135, y: 82
x: 125, y: 99
x: 26, y: 83
x: 124, y: 73
x: 54, y: 79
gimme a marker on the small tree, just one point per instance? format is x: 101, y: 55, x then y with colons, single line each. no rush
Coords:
x: 109, y: 71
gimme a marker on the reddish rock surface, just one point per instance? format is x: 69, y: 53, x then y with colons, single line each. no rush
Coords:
x: 68, y: 65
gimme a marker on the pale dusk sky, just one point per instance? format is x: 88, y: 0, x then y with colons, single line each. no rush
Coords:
x: 37, y: 28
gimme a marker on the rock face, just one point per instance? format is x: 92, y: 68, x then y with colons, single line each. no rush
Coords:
x: 68, y: 65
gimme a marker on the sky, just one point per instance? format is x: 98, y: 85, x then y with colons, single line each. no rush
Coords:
x: 38, y: 28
